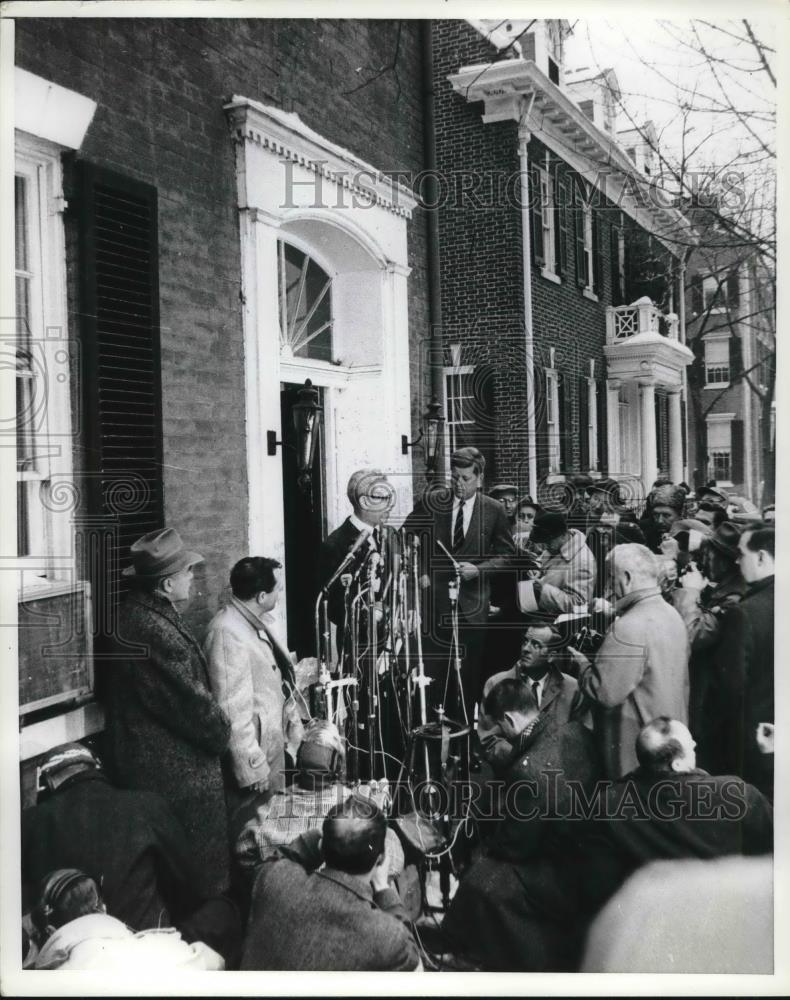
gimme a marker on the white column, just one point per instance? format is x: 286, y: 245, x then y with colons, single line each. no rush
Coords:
x: 614, y: 458
x: 647, y: 429
x: 675, y: 437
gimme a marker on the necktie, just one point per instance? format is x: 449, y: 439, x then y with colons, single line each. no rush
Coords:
x: 458, y: 530
x: 536, y: 692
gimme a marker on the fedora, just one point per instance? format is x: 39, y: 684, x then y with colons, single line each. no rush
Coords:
x: 160, y: 553
x: 725, y: 538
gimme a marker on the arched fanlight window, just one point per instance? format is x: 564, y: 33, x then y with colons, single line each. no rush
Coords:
x: 305, y: 306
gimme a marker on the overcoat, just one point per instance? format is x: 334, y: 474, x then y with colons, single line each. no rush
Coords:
x: 165, y: 730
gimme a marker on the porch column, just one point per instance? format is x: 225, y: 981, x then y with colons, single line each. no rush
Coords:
x: 675, y: 437
x: 647, y: 395
x: 614, y: 459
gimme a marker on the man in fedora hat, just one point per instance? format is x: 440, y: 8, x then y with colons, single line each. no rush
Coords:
x: 704, y: 596
x: 165, y: 730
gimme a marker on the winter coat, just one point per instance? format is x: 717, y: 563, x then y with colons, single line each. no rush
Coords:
x: 247, y: 683
x: 165, y: 730
x: 130, y: 842
x: 639, y: 673
x: 712, y: 714
x: 100, y: 943
x: 560, y: 699
x: 514, y: 908
x: 567, y: 577
x: 746, y: 668
x: 306, y: 919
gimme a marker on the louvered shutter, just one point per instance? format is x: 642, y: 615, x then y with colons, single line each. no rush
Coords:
x: 736, y: 357
x: 541, y: 422
x: 564, y: 217
x: 584, y: 424
x: 598, y: 244
x: 564, y: 399
x: 736, y: 445
x: 603, y: 430
x: 614, y: 263
x: 733, y: 291
x: 578, y: 222
x: 122, y: 380
x: 536, y: 216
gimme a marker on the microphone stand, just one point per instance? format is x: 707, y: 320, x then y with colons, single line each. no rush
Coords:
x: 453, y: 588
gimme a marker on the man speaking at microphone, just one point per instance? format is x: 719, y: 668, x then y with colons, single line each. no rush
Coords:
x: 371, y: 498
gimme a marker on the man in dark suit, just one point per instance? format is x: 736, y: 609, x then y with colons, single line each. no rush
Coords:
x: 474, y: 529
x: 371, y: 498
x: 746, y: 664
x: 343, y: 916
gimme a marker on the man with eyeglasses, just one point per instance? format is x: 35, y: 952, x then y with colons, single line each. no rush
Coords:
x: 555, y: 693
x: 371, y: 497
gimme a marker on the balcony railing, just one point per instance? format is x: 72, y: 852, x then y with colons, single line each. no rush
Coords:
x: 642, y: 316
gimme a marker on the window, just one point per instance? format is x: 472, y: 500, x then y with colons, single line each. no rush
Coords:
x: 719, y: 442
x: 589, y: 268
x: 305, y: 306
x: 43, y: 418
x: 460, y: 405
x: 714, y: 294
x: 548, y: 212
x: 553, y: 419
x: 717, y: 362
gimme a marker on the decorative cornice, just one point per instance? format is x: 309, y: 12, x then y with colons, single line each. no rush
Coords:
x: 562, y: 126
x: 284, y: 135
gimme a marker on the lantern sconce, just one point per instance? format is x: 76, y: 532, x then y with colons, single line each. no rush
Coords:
x: 306, y: 413
x: 431, y: 431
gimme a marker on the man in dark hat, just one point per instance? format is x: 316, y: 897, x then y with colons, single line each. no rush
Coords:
x: 507, y: 495
x: 712, y: 504
x: 703, y: 598
x: 129, y: 841
x: 579, y: 508
x: 165, y: 730
x: 567, y: 576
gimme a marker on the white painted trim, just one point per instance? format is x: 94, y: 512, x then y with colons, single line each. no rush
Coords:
x: 590, y: 295
x: 719, y: 418
x: 50, y: 111
x: 550, y: 276
x: 40, y: 737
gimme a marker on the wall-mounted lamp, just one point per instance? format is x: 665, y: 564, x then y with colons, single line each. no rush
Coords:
x: 431, y: 430
x: 306, y: 413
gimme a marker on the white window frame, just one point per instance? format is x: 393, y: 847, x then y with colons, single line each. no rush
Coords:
x: 719, y: 289
x: 50, y: 527
x: 589, y: 250
x: 548, y: 211
x: 718, y: 338
x: 621, y: 262
x: 553, y: 428
x: 715, y: 419
x: 449, y: 423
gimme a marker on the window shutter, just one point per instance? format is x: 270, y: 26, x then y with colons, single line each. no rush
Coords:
x: 535, y: 216
x: 578, y: 219
x: 614, y: 248
x: 736, y: 460
x: 584, y: 424
x: 541, y: 422
x: 564, y: 399
x: 597, y: 233
x: 481, y: 433
x: 600, y: 402
x: 736, y: 357
x: 563, y: 215
x: 733, y: 291
x: 696, y: 294
x: 122, y: 376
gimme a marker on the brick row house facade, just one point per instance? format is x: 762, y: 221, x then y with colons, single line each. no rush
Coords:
x: 561, y: 283
x: 206, y: 216
x: 211, y: 211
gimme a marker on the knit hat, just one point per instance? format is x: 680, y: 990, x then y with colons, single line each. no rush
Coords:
x: 548, y: 525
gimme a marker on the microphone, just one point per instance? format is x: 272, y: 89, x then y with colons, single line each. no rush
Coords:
x: 360, y: 541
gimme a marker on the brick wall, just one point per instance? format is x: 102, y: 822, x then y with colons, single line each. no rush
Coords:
x: 160, y: 85
x: 481, y: 259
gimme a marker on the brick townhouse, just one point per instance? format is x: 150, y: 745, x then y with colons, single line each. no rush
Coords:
x: 562, y: 310
x: 732, y: 332
x: 206, y: 217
